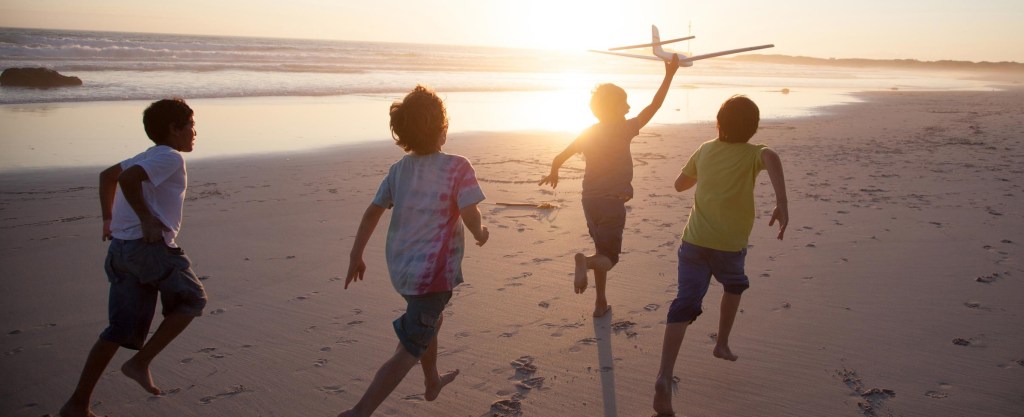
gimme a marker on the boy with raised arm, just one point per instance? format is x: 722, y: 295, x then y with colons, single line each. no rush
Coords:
x: 432, y: 195
x: 141, y: 199
x: 715, y: 238
x: 607, y: 178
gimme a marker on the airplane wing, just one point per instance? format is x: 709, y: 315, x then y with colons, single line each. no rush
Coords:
x: 644, y: 45
x: 650, y: 57
x: 731, y: 51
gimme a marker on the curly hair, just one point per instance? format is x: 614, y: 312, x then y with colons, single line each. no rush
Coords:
x: 737, y: 119
x: 418, y: 121
x: 164, y: 113
x: 607, y: 100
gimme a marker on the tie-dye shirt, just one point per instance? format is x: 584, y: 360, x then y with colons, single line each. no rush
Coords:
x: 425, y: 242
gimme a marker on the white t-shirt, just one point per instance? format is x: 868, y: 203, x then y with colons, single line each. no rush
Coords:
x: 164, y: 194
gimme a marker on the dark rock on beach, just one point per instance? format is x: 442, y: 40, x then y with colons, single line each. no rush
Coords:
x: 36, y: 78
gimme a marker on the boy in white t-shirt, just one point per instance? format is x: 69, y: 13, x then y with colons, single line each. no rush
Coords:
x: 141, y: 199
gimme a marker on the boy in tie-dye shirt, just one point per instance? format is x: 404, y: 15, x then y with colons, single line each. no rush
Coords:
x: 432, y: 195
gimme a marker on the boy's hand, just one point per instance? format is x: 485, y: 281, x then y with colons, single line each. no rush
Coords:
x: 106, y: 231
x: 781, y: 214
x: 482, y: 236
x: 152, y: 229
x: 550, y: 179
x: 672, y: 66
x: 356, y: 269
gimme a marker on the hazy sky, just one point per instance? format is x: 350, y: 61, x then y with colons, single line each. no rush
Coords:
x: 973, y: 30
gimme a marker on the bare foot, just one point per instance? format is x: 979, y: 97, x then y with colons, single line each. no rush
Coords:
x: 580, y: 283
x: 141, y: 375
x: 72, y: 410
x: 663, y: 398
x: 723, y: 352
x: 600, y: 309
x: 434, y: 388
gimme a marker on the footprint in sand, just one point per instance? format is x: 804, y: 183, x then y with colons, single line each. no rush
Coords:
x: 530, y: 383
x: 524, y: 367
x: 652, y: 307
x: 231, y: 392
x: 583, y: 342
x: 511, y: 407
x: 624, y: 326
x: 415, y: 398
x: 320, y: 363
x: 331, y: 389
x: 936, y: 395
x: 988, y: 279
x: 218, y: 311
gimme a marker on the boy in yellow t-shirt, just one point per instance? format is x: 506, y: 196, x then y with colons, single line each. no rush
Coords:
x: 715, y: 237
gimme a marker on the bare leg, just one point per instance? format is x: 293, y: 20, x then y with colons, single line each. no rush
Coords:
x: 674, y: 333
x: 99, y: 357
x: 137, y: 368
x: 600, y: 264
x: 432, y: 380
x: 600, y: 302
x: 579, y: 282
x: 730, y: 305
x: 384, y: 382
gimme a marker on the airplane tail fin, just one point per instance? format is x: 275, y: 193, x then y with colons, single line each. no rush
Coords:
x: 656, y: 41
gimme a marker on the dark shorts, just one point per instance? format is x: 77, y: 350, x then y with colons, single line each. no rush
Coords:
x: 139, y: 272
x: 606, y: 218
x: 696, y: 266
x: 418, y: 326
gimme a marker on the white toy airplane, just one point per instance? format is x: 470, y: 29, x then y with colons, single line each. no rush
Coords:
x: 663, y: 55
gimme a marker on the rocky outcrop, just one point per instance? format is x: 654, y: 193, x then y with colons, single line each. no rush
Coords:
x: 36, y: 78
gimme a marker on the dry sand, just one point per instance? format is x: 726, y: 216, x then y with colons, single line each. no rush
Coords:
x: 899, y: 290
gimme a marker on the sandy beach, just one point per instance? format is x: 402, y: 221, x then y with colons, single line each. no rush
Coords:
x: 898, y: 291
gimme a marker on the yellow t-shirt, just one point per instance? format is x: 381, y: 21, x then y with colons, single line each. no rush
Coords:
x: 723, y: 206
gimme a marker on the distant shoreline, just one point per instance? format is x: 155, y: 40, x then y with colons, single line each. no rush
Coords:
x: 909, y: 64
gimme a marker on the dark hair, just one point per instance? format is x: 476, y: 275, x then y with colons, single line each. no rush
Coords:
x: 737, y: 119
x: 605, y: 100
x: 162, y: 114
x: 418, y: 121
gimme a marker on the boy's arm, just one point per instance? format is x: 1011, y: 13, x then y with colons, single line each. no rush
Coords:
x: 108, y: 189
x: 130, y: 181
x: 472, y: 219
x: 670, y: 70
x: 684, y: 182
x: 773, y: 164
x: 560, y: 159
x: 356, y: 266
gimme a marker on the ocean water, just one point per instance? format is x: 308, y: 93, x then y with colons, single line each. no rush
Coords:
x: 257, y: 95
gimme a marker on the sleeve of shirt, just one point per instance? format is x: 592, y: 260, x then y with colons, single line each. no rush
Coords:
x: 161, y: 166
x: 690, y: 169
x: 384, y: 197
x: 468, y: 188
x: 758, y: 162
